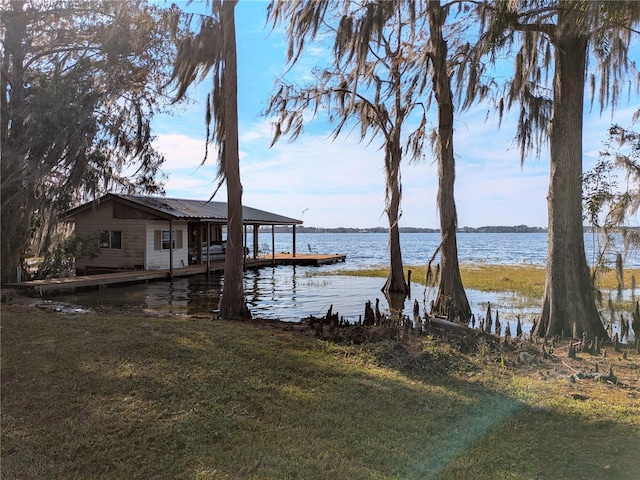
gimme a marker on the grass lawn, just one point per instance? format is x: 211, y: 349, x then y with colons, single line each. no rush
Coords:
x: 122, y: 395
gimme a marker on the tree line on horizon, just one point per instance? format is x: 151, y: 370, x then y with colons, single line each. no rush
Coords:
x: 81, y: 81
x: 483, y: 229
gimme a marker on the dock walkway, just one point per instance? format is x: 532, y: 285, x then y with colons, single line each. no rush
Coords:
x: 136, y: 276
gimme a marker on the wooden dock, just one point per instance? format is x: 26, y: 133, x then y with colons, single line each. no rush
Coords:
x: 136, y: 276
x: 314, y: 259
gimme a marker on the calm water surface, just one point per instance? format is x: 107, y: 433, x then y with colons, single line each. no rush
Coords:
x: 370, y: 249
x: 290, y: 293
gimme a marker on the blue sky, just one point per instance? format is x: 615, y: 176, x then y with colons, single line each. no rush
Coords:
x: 341, y: 183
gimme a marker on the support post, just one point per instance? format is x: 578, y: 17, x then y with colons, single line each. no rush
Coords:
x: 256, y: 231
x: 207, y: 250
x: 171, y: 249
x: 273, y: 244
x: 294, y: 241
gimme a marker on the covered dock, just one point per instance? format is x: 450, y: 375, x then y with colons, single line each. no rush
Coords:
x: 140, y: 238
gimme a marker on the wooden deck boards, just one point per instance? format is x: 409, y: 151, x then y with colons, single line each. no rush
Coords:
x: 299, y: 259
x: 101, y: 280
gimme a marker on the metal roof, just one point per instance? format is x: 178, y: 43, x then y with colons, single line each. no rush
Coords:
x: 192, y: 210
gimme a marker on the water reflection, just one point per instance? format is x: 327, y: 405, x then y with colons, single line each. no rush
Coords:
x: 290, y: 293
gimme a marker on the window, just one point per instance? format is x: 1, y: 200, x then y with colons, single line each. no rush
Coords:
x: 111, y: 239
x: 162, y: 240
x: 165, y: 240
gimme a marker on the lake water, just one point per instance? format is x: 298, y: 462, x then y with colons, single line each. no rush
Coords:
x: 371, y: 249
x: 290, y: 293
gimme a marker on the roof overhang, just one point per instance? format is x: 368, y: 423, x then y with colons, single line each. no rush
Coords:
x: 184, y: 210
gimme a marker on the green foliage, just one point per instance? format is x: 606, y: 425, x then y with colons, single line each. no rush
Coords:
x: 609, y: 205
x: 76, y: 110
x: 500, y: 29
x: 61, y: 261
x: 598, y: 187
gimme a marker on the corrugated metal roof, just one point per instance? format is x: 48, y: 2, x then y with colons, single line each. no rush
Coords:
x: 201, y: 210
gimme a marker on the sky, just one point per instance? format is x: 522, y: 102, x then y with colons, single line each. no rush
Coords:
x: 340, y: 183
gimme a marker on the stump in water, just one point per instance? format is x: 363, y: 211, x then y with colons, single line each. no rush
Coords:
x: 488, y: 320
x: 519, y: 328
x: 332, y: 319
x: 533, y: 327
x: 624, y: 328
x: 416, y: 317
x: 369, y: 318
x: 619, y: 273
x: 407, y: 325
x: 635, y: 323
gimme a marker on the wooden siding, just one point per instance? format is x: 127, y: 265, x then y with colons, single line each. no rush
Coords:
x: 137, y: 252
x: 88, y: 224
x: 158, y: 259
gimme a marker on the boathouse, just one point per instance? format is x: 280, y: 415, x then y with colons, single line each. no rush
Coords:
x: 137, y: 232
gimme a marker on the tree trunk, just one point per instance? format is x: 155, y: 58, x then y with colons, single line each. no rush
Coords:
x: 569, y: 294
x: 17, y: 191
x: 395, y: 281
x: 232, y: 303
x: 452, y: 299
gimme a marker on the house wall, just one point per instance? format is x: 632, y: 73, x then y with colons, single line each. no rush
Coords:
x: 138, y: 249
x: 88, y: 224
x: 158, y: 259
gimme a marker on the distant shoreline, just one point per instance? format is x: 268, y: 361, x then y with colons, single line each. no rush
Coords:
x: 487, y: 229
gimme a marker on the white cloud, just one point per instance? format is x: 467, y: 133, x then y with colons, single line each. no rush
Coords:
x: 183, y: 152
x: 341, y: 182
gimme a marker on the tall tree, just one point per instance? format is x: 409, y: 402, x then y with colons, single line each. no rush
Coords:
x: 80, y: 82
x: 375, y: 81
x: 557, y: 36
x: 451, y: 299
x: 362, y: 42
x: 214, y: 46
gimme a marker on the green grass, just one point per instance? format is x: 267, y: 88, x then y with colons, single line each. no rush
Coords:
x: 124, y: 395
x: 525, y: 280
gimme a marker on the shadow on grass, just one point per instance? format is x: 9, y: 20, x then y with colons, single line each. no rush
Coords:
x: 134, y: 397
